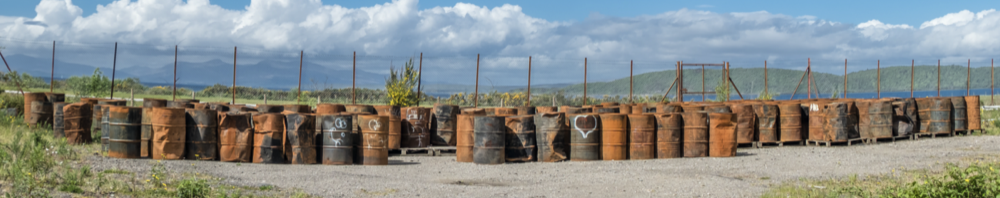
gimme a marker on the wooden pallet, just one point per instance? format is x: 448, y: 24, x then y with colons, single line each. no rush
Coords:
x: 916, y: 136
x: 893, y: 139
x: 751, y: 144
x: 779, y: 143
x: 432, y: 151
x: 828, y: 143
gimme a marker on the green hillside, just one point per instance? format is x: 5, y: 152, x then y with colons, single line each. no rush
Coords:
x: 751, y: 81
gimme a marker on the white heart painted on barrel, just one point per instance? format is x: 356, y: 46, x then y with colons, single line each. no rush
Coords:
x: 374, y: 124
x: 585, y: 133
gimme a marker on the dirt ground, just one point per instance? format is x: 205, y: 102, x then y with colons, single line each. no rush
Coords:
x: 747, y: 175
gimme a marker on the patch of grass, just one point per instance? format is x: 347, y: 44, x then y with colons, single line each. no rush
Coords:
x: 978, y: 179
x: 192, y: 188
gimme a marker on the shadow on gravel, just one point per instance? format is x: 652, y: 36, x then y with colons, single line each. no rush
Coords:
x: 401, y: 162
x: 741, y: 154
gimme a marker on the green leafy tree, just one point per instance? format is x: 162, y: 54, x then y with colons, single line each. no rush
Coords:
x: 399, y: 86
x: 96, y: 85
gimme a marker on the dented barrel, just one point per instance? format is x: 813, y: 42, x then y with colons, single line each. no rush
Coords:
x: 790, y: 129
x: 520, y: 139
x: 551, y: 137
x: 526, y: 110
x: 327, y: 108
x: 29, y: 99
x: 235, y: 137
x: 416, y: 132
x: 490, y: 140
x: 124, y: 128
x: 146, y: 129
x: 337, y: 139
x: 201, y: 142
x: 642, y: 130
x: 58, y: 122
x: 444, y: 120
x: 77, y: 123
x: 837, y: 122
x: 501, y: 111
x: 546, y: 109
x: 669, y: 131
x: 300, y: 135
x: 268, y: 138
x: 745, y: 121
x: 374, y: 139
x: 168, y: 133
x: 585, y: 137
x: 695, y: 134
x: 722, y: 135
x: 614, y: 136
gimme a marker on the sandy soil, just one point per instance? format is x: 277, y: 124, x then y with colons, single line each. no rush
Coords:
x: 747, y: 175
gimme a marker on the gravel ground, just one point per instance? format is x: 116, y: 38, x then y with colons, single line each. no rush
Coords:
x: 747, y: 175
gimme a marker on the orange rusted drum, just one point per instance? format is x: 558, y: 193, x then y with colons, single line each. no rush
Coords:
x: 374, y: 132
x: 692, y: 108
x: 539, y: 110
x: 168, y: 133
x: 262, y: 108
x: 395, y: 123
x: 268, y: 138
x: 77, y: 123
x: 360, y: 109
x: 876, y: 119
x: 199, y: 105
x: 625, y: 109
x: 180, y: 103
x: 816, y: 112
x: 585, y: 137
x: 294, y: 108
x: 605, y: 110
x: 528, y: 110
x: 329, y: 109
x: 904, y: 118
x: 767, y: 126
x: 722, y: 134
x: 790, y: 129
x: 235, y: 137
x: 668, y: 108
x: 490, y: 140
x: 608, y: 104
x: 125, y: 132
x: 959, y: 112
x: 28, y: 99
x: 745, y: 121
x: 571, y: 110
x: 638, y: 109
x: 465, y: 139
x: 720, y: 108
x: 443, y: 125
x: 695, y: 134
x: 416, y: 131
x: 837, y: 122
x: 520, y: 139
x: 972, y: 103
x: 552, y: 137
x: 642, y: 130
x: 668, y: 135
x: 504, y: 112
x: 614, y: 137
x: 202, y: 139
x: 939, y: 116
x: 300, y: 136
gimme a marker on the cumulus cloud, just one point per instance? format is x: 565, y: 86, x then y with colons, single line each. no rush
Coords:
x: 400, y: 28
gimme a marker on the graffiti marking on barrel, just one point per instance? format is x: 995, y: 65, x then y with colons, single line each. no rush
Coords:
x: 584, y: 132
x: 340, y: 124
x: 374, y: 125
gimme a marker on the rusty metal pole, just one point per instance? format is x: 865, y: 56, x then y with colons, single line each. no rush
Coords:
x: 234, y: 75
x: 631, y: 66
x: 584, y: 80
x: 912, y: 71
x: 420, y: 77
x: 878, y: 79
x: 114, y: 66
x: 968, y: 80
x: 174, y: 92
x: 52, y: 76
x: 475, y: 95
x: 796, y: 90
x: 991, y: 82
x: 845, y: 78
x: 354, y: 75
x: 18, y: 83
x: 529, y: 82
x: 809, y: 80
x: 939, y: 79
x: 298, y: 98
x: 679, y: 78
x: 703, y: 83
x: 765, y: 77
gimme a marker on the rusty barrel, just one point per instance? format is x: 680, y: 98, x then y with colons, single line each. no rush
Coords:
x: 520, y: 139
x: 41, y: 113
x: 77, y: 122
x: 374, y: 133
x: 551, y: 136
x: 220, y: 108
x: 168, y: 132
x: 267, y: 138
x: 625, y: 109
x: 939, y: 116
x: 642, y: 133
x: 180, y: 104
x: 546, y: 109
x: 767, y: 126
x: 105, y: 136
x: 526, y: 110
x: 904, y: 118
x: 199, y: 105
x: 722, y: 134
x: 923, y: 110
x: 608, y: 110
x: 585, y: 137
x: 490, y: 140
x: 360, y: 109
x: 444, y: 125
x: 146, y: 129
x: 695, y: 134
x: 300, y: 135
x: 790, y: 117
x: 692, y: 108
x: 464, y: 138
x: 327, y: 108
x: 262, y: 108
x: 416, y: 132
x: 125, y: 132
x: 606, y: 104
x: 570, y: 110
x: 817, y: 121
x: 876, y: 120
x: 337, y: 139
x: 154, y: 102
x: 638, y: 108
x: 235, y: 137
x: 395, y: 123
x: 614, y: 136
x: 718, y: 109
x: 490, y: 111
x: 745, y: 121
x: 972, y: 103
x: 202, y: 139
x: 29, y: 98
x: 501, y: 111
x: 295, y: 108
x: 959, y: 114
x: 668, y: 108
x: 58, y: 122
x: 669, y: 133
x: 837, y: 127
x: 55, y: 97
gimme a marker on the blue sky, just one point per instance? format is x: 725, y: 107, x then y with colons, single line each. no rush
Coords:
x: 845, y: 11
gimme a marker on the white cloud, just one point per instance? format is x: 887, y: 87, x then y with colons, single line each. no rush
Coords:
x: 399, y: 28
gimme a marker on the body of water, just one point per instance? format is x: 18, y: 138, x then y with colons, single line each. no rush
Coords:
x: 866, y: 95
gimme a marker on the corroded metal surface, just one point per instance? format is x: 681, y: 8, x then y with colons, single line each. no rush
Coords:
x: 28, y: 99
x: 745, y: 121
x: 268, y: 136
x: 606, y: 110
x: 300, y: 147
x: 528, y: 110
x: 668, y: 108
x: 146, y: 129
x: 168, y: 132
x: 539, y: 110
x: 124, y: 129
x: 722, y: 135
x: 959, y: 114
x: 58, y: 122
x: 585, y: 137
x: 614, y: 136
x: 695, y: 134
x: 876, y: 118
x: 327, y: 109
x: 520, y: 139
x: 262, y: 108
x: 790, y: 118
x: 939, y: 116
x: 180, y: 104
x: 201, y: 142
x: 974, y: 119
x: 642, y: 133
x: 395, y: 123
x: 767, y: 126
x: 490, y: 140
x: 77, y: 123
x: 669, y: 133
x: 817, y: 121
x: 360, y: 109
x: 552, y: 137
x: 443, y: 125
x: 904, y: 118
x: 294, y: 108
x: 235, y: 137
x: 464, y: 138
x: 837, y: 122
x: 501, y: 111
x: 374, y: 135
x: 718, y: 109
x: 153, y: 102
x: 416, y: 132
x: 337, y: 139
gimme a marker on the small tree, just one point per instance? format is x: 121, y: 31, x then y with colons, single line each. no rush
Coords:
x: 722, y: 90
x: 96, y: 85
x: 399, y: 86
